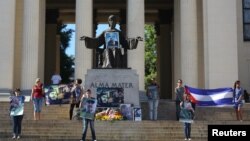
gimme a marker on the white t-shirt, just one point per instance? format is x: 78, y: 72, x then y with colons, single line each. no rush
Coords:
x: 56, y: 79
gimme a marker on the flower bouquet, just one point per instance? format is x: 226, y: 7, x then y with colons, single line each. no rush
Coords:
x: 109, y: 115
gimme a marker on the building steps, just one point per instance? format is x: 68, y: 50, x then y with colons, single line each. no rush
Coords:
x: 56, y: 126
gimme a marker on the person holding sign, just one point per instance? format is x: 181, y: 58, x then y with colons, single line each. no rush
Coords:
x: 88, y: 108
x: 16, y: 112
x: 76, y: 94
x: 186, y: 115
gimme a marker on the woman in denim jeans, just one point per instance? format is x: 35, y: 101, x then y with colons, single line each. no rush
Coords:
x: 153, y: 99
x: 37, y: 95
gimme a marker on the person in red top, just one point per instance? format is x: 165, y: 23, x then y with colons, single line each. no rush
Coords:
x: 37, y: 95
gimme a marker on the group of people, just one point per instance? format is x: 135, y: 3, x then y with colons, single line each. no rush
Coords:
x: 185, y: 107
x: 78, y: 99
x: 185, y: 104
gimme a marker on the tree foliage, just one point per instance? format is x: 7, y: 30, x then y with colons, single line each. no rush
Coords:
x: 66, y: 62
x: 150, y: 53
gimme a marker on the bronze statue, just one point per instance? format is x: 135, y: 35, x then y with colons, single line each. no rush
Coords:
x: 112, y: 54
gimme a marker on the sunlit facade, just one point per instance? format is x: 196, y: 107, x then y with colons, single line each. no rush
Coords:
x: 199, y: 41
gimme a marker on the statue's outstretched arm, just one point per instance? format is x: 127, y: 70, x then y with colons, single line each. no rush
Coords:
x: 92, y: 42
x: 84, y: 37
x: 139, y: 38
x: 133, y: 42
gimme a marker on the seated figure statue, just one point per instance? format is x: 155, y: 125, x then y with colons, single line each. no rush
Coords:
x: 114, y: 44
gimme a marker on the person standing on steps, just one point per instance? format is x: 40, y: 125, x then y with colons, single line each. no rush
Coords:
x: 56, y: 79
x: 76, y: 94
x: 186, y: 115
x: 16, y: 112
x: 238, y: 96
x: 179, y: 92
x: 37, y: 95
x: 153, y: 98
x: 88, y: 108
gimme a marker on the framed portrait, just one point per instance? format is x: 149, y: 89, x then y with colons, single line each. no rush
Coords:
x: 112, y: 40
x: 246, y: 3
x: 137, y: 114
x: 126, y: 111
x: 109, y: 97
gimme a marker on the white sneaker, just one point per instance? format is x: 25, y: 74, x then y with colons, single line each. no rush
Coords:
x: 18, y: 137
x: 14, y: 136
x: 189, y: 139
x: 185, y: 139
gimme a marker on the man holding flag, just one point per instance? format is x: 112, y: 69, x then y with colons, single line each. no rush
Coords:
x: 179, y: 92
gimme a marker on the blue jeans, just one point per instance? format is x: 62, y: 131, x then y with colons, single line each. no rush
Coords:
x: 38, y: 102
x: 187, y: 129
x: 17, y: 124
x: 153, y: 107
x: 85, y: 123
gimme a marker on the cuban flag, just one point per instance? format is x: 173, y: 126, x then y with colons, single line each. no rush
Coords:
x: 219, y: 97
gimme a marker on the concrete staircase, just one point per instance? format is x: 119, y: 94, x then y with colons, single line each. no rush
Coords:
x: 55, y: 125
x: 166, y: 111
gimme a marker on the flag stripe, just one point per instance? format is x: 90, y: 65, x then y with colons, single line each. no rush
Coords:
x: 211, y: 97
x: 221, y: 102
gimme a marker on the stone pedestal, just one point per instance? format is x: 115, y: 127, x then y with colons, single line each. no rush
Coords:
x: 103, y: 80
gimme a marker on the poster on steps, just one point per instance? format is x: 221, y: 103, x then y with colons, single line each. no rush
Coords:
x: 137, y: 114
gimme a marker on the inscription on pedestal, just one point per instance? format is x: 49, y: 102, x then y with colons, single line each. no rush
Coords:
x: 113, y: 86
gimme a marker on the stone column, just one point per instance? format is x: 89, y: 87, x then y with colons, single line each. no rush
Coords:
x: 7, y: 40
x: 58, y: 44
x: 188, y: 42
x: 84, y: 27
x: 221, y: 57
x: 176, y: 59
x: 164, y: 58
x: 33, y: 43
x: 52, y: 48
x: 135, y: 24
x: 164, y: 53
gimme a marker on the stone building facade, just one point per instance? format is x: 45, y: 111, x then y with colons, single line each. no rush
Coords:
x: 199, y: 41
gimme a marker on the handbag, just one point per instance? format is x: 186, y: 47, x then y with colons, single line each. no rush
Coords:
x: 76, y: 114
